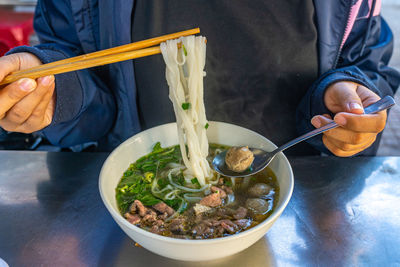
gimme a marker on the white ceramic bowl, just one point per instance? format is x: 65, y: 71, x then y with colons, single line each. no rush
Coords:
x: 191, y: 250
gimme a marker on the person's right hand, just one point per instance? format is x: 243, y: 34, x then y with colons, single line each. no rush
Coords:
x: 26, y: 105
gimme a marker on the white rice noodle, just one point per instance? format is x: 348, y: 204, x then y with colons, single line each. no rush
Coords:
x: 184, y: 75
x: 171, y: 195
x: 193, y: 199
x: 184, y: 188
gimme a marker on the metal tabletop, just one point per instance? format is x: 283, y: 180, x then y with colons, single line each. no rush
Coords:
x: 344, y: 212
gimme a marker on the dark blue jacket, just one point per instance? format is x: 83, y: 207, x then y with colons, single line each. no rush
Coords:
x: 100, y: 104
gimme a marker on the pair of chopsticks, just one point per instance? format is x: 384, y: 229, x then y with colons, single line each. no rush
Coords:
x: 116, y: 54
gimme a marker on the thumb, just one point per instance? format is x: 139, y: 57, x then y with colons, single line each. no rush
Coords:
x: 347, y: 98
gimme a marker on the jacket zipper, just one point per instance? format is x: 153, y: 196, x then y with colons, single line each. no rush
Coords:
x: 339, y: 50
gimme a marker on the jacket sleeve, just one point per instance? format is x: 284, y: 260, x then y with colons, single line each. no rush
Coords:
x: 85, y: 107
x: 370, y: 70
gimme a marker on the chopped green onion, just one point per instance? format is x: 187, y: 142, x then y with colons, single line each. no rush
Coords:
x: 206, y: 126
x: 184, y: 50
x: 195, y: 181
x: 185, y: 106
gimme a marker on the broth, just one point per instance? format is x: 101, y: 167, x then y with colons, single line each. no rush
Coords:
x: 154, y: 194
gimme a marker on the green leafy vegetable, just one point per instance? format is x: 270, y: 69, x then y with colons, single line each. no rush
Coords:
x: 206, y: 126
x: 162, y: 183
x: 173, y: 203
x: 185, y: 106
x: 157, y: 147
x: 136, y: 181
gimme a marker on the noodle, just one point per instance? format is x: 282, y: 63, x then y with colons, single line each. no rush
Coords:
x: 184, y: 73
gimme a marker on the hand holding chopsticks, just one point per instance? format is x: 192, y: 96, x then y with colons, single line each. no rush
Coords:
x: 116, y: 54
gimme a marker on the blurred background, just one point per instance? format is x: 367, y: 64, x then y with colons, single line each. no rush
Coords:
x: 16, y: 29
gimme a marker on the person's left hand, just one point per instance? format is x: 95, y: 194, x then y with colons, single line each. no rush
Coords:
x: 357, y: 130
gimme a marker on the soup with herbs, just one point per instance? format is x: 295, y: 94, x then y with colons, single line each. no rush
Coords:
x: 155, y: 194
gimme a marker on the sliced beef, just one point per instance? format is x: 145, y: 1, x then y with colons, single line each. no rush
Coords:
x: 243, y: 223
x: 132, y: 218
x: 177, y: 226
x: 164, y: 208
x: 212, y: 200
x: 211, y: 222
x: 240, y: 213
x: 150, y: 216
x: 218, y: 190
x: 229, y: 225
x: 227, y: 189
x: 156, y: 229
x: 138, y: 207
x: 163, y: 216
x: 202, y: 229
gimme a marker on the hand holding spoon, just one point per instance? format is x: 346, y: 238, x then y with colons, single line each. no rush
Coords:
x: 263, y: 158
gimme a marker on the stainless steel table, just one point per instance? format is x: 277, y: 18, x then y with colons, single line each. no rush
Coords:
x: 344, y: 212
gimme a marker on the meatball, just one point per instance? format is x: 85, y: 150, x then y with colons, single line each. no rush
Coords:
x: 257, y: 205
x: 259, y: 189
x: 238, y: 159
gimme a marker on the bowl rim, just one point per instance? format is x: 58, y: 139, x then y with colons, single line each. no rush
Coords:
x: 133, y: 227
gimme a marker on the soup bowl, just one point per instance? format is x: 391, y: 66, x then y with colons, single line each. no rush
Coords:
x: 191, y: 250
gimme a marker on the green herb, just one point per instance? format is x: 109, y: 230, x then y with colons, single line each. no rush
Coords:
x: 157, y: 147
x: 179, y: 179
x: 195, y: 182
x: 185, y: 106
x: 148, y: 176
x: 184, y: 50
x: 162, y: 183
x: 206, y: 126
x: 135, y: 186
x: 128, y: 173
x: 173, y: 203
x: 228, y: 183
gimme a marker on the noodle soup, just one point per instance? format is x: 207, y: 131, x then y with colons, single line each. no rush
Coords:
x: 157, y: 195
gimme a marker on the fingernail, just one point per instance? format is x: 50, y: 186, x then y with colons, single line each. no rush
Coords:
x: 340, y: 120
x: 46, y: 81
x: 316, y: 122
x: 27, y: 85
x: 355, y: 106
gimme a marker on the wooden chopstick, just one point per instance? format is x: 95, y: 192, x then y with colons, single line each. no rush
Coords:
x: 103, y: 57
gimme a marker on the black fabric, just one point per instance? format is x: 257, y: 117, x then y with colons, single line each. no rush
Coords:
x: 261, y: 59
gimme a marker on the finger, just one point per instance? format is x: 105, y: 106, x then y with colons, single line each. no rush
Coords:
x: 351, y: 147
x: 367, y: 96
x: 346, y: 98
x: 21, y: 111
x: 372, y: 123
x: 13, y: 93
x: 41, y: 116
x: 342, y: 134
x: 9, y: 64
x: 339, y: 152
x: 319, y: 120
x: 349, y: 137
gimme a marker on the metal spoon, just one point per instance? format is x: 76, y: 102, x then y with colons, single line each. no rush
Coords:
x: 263, y: 158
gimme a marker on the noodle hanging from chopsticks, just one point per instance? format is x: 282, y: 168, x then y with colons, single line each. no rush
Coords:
x: 184, y: 73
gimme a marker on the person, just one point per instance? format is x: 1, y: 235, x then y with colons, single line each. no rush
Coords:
x: 280, y: 68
